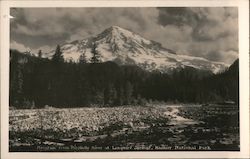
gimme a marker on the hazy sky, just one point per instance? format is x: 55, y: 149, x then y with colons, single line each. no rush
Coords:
x: 206, y: 32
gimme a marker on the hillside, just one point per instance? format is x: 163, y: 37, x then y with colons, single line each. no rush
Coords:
x: 36, y: 82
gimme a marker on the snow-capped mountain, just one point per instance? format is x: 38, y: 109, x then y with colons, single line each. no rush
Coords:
x: 125, y: 47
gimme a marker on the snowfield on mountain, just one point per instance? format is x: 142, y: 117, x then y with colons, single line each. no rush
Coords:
x: 127, y: 48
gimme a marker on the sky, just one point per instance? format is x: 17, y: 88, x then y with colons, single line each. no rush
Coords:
x: 209, y: 32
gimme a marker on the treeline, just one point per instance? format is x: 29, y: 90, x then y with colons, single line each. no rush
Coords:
x: 36, y: 82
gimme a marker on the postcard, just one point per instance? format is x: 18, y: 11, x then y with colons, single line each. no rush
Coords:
x: 124, y: 79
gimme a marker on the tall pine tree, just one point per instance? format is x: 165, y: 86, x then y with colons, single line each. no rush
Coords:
x: 40, y: 53
x: 128, y: 93
x: 95, y: 55
x: 82, y: 58
x: 58, y: 57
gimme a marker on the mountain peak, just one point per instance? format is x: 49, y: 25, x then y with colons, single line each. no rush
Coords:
x: 128, y: 48
x: 116, y: 27
x: 117, y: 30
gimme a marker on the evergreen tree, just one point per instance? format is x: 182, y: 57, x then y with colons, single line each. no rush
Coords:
x: 58, y: 57
x: 128, y: 93
x: 110, y: 95
x: 40, y: 53
x: 120, y: 96
x: 95, y: 55
x: 20, y: 85
x: 82, y: 58
x: 57, y: 76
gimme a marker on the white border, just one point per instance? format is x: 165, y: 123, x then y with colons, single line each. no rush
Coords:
x: 243, y: 8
